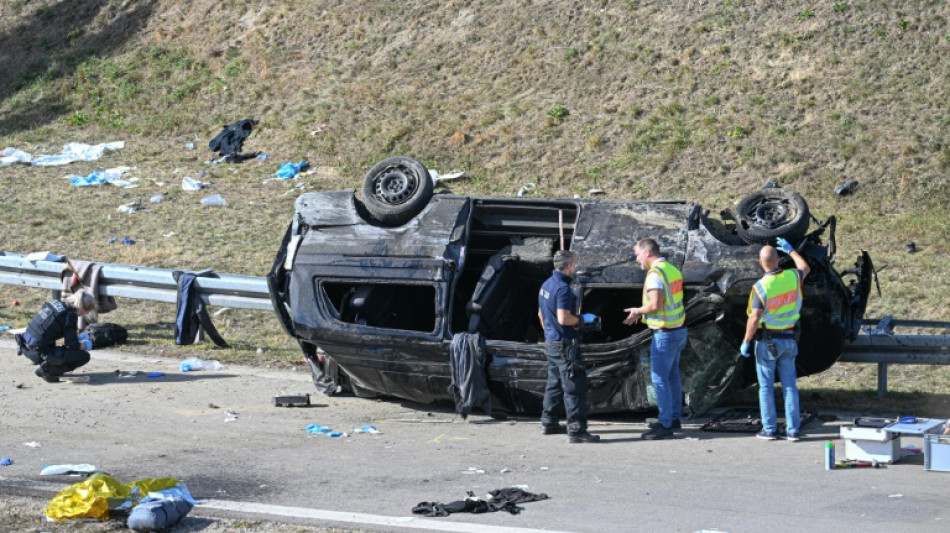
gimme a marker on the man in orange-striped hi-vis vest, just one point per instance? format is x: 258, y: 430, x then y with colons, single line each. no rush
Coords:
x: 775, y: 305
x: 662, y: 311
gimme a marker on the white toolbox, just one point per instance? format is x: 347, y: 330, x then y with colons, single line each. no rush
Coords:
x: 870, y: 444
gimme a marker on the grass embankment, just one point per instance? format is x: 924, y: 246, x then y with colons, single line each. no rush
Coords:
x: 643, y: 100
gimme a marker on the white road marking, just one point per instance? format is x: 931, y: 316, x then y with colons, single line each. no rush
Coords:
x: 408, y: 522
x: 356, y: 519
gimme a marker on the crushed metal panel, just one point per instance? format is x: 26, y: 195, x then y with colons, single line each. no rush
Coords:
x: 606, y: 232
x: 331, y: 225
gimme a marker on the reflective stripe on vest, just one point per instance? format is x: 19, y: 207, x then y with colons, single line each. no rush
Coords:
x: 673, y: 314
x: 781, y: 295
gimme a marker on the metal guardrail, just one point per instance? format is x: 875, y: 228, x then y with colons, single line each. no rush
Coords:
x: 155, y: 284
x: 881, y: 346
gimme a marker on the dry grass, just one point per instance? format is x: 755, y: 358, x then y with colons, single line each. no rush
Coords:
x: 704, y: 103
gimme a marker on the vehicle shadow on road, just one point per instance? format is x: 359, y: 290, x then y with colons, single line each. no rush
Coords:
x: 111, y: 378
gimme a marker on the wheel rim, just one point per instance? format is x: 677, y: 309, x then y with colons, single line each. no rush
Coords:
x: 770, y: 214
x: 394, y: 186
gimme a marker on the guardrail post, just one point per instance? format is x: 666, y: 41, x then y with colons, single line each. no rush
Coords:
x: 881, y: 380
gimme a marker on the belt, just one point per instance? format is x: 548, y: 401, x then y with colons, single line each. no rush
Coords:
x: 670, y: 329
x: 788, y: 333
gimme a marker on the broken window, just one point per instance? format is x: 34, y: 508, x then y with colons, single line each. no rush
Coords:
x: 383, y: 305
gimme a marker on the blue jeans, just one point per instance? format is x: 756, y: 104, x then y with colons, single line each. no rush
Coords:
x: 766, y: 367
x: 665, y: 372
x: 566, y: 385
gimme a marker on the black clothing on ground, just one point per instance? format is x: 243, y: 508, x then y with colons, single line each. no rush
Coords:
x: 469, y: 385
x: 54, y: 321
x: 501, y: 499
x: 192, y: 315
x: 231, y: 139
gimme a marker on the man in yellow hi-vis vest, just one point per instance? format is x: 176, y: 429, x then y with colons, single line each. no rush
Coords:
x: 775, y: 305
x: 663, y: 312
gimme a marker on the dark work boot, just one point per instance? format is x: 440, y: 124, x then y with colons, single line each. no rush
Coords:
x: 658, y: 433
x: 553, y: 429
x: 20, y: 342
x: 676, y: 426
x: 583, y: 436
x: 41, y: 372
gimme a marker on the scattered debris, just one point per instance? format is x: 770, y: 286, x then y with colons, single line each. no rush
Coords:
x: 111, y: 176
x: 230, y: 415
x: 5, y: 461
x: 214, y: 200
x: 69, y: 470
x: 196, y: 363
x: 129, y: 208
x: 124, y: 240
x: 155, y: 375
x: 846, y: 187
x: 593, y: 192
x: 292, y: 400
x: 911, y: 247
x: 319, y: 129
x: 289, y: 170
x: 473, y: 470
x: 190, y: 184
x: 33, y: 444
x: 10, y: 156
x: 439, y: 178
x: 77, y: 152
x: 366, y: 429
x: 526, y: 188
x: 156, y: 199
x: 317, y: 428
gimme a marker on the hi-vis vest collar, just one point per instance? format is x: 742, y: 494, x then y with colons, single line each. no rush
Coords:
x: 782, y: 295
x: 673, y: 313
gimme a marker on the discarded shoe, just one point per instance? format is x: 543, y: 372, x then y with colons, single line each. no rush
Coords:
x: 582, y: 437
x: 766, y: 435
x: 553, y: 429
x: 40, y: 372
x: 658, y: 433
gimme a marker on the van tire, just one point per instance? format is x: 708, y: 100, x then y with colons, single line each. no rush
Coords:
x: 768, y: 214
x: 396, y: 189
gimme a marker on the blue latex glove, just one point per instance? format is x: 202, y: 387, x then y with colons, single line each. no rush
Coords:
x: 784, y: 245
x: 588, y: 317
x: 744, y: 350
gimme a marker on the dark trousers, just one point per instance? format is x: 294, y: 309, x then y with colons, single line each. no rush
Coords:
x: 566, y: 386
x: 56, y: 360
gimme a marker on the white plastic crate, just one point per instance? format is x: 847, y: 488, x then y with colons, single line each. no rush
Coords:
x: 937, y: 452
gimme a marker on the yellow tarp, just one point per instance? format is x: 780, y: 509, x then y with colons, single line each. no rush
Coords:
x: 94, y: 497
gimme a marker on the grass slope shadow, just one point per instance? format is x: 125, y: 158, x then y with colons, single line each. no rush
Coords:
x: 50, y: 44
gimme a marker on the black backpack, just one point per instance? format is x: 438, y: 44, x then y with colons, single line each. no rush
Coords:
x: 103, y: 334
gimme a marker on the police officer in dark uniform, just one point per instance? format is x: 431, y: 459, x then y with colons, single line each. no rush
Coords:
x: 567, y: 377
x: 57, y: 320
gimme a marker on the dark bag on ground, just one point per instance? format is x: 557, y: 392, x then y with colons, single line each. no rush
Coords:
x: 103, y: 334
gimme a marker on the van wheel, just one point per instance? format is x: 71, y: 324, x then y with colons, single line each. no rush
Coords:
x: 396, y: 189
x: 768, y: 214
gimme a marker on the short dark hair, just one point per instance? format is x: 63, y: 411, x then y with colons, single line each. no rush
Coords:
x: 649, y: 245
x: 563, y: 258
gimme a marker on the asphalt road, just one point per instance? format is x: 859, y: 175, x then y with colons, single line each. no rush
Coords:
x: 260, y: 462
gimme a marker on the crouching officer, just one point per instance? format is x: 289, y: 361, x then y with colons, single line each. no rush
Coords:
x: 567, y: 377
x: 775, y: 305
x: 57, y: 320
